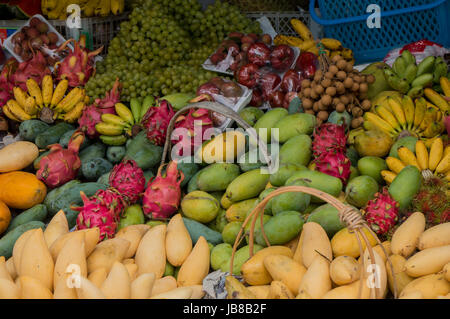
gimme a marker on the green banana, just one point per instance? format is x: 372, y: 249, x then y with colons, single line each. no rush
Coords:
x: 109, y: 129
x: 415, y: 92
x: 440, y: 70
x: 395, y: 82
x: 410, y: 73
x: 148, y: 102
x: 399, y: 66
x: 423, y: 80
x: 426, y: 66
x: 136, y: 107
x: 113, y: 140
x: 409, y: 57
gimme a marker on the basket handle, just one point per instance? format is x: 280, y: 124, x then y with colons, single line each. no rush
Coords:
x: 347, y: 214
x: 219, y: 108
x: 390, y: 13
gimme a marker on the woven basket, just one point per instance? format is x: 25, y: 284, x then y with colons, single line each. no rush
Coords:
x: 347, y: 214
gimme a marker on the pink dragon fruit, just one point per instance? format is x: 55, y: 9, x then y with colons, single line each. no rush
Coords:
x: 128, y: 179
x: 92, y: 114
x: 78, y: 66
x: 6, y: 84
x: 189, y: 121
x: 35, y: 68
x: 156, y: 121
x: 163, y: 194
x: 334, y: 163
x: 97, y: 211
x: 61, y: 165
x: 381, y: 213
x: 446, y: 122
x: 329, y: 137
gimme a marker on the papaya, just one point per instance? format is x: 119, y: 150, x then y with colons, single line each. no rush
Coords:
x: 217, y: 177
x: 189, y: 169
x: 37, y: 161
x: 65, y: 138
x: 146, y: 154
x: 29, y: 130
x: 21, y: 190
x: 197, y: 229
x: 7, y: 241
x: 94, y: 168
x: 96, y: 150
x: 115, y: 154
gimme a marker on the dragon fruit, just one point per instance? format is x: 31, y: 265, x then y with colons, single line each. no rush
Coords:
x: 35, y: 68
x: 128, y: 179
x: 98, y: 211
x: 61, y: 165
x: 6, y: 85
x: 92, y: 114
x: 334, y: 163
x: 78, y: 66
x: 446, y: 122
x: 195, y: 117
x: 381, y: 213
x: 156, y: 121
x: 163, y: 194
x: 329, y: 136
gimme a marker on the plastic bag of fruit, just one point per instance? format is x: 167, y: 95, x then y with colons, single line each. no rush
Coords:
x: 420, y: 49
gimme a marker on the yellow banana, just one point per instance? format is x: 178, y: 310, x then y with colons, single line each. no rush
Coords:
x: 20, y: 96
x: 408, y: 108
x: 445, y: 85
x: 407, y: 157
x: 437, y: 99
x: 8, y: 113
x: 114, y: 119
x: 444, y: 165
x: 388, y: 176
x: 75, y: 113
x: 378, y: 122
x: 347, y: 54
x: 103, y: 8
x: 398, y: 112
x: 301, y: 29
x: 109, y: 129
x: 306, y: 45
x: 422, y: 155
x: 17, y: 111
x: 447, y: 150
x: 436, y: 151
x: 314, y: 50
x: 59, y: 92
x: 419, y: 111
x: 35, y: 91
x: 331, y: 44
x: 334, y: 53
x: 47, y: 90
x: 71, y: 99
x: 89, y: 8
x: 117, y: 6
x: 428, y: 118
x: 124, y: 112
x: 30, y: 106
x: 434, y: 129
x: 386, y: 115
x: 395, y: 164
x: 289, y: 40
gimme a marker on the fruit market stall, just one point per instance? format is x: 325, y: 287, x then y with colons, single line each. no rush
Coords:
x: 223, y: 149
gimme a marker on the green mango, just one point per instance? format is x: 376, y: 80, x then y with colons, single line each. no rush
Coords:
x: 192, y: 185
x: 310, y: 208
x: 327, y: 216
x: 264, y: 194
x: 247, y: 185
x: 354, y: 172
x: 257, y: 229
x: 353, y: 156
x: 221, y: 255
x: 133, y: 216
x: 221, y: 220
x: 200, y: 206
x: 169, y: 270
x: 360, y: 190
x: 267, y: 121
x: 281, y: 228
x: 230, y: 232
x: 405, y: 186
x: 251, y: 115
x: 318, y: 180
x: 241, y: 256
x: 407, y: 141
x: 154, y: 223
x: 293, y: 201
x: 217, y: 177
x: 297, y: 150
x: 293, y: 125
x: 372, y: 166
x: 284, y: 172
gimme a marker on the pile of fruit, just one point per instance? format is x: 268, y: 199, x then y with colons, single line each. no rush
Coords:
x: 57, y: 10
x: 84, y: 144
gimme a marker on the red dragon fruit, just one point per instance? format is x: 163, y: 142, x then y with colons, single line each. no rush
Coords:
x: 163, y: 194
x: 6, y: 84
x: 35, y: 68
x: 334, y: 163
x: 92, y: 114
x: 156, y: 121
x: 329, y: 136
x: 78, y: 66
x: 61, y: 165
x: 128, y: 179
x: 381, y: 213
x: 98, y: 211
x: 199, y: 118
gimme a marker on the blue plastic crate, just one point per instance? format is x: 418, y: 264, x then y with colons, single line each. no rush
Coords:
x: 402, y: 22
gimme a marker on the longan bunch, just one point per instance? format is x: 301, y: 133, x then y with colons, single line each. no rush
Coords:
x: 341, y: 88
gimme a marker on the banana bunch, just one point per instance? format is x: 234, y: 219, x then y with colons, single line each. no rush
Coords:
x: 434, y: 162
x: 409, y: 78
x: 57, y: 9
x: 307, y: 43
x: 394, y: 114
x: 445, y: 86
x: 46, y: 102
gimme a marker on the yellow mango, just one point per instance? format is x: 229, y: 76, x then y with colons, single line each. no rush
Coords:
x: 57, y: 227
x: 406, y: 237
x: 151, y: 253
x: 164, y: 284
x: 87, y: 290
x: 72, y: 254
x: 196, y: 266
x: 9, y: 290
x: 316, y: 281
x: 107, y: 253
x: 32, y: 288
x: 286, y: 270
x: 315, y: 242
x: 133, y: 234
x: 118, y: 283
x: 345, y: 243
x: 141, y: 287
x: 178, y: 241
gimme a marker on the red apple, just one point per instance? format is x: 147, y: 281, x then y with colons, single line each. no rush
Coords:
x: 276, y: 99
x: 269, y: 82
x: 291, y: 81
x: 307, y: 64
x: 257, y: 99
x: 282, y: 57
x: 248, y: 75
x: 259, y: 54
